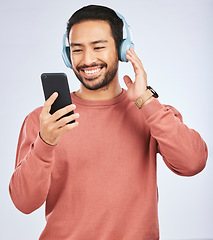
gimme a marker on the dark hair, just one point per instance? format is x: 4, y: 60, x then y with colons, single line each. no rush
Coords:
x: 96, y: 12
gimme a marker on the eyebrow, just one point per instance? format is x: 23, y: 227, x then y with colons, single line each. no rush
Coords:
x: 92, y: 43
x: 76, y: 44
x: 99, y: 41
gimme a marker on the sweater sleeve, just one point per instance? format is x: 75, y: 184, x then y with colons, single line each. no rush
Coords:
x: 182, y: 148
x: 30, y: 181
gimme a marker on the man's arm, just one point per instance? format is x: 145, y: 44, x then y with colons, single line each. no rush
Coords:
x: 182, y: 148
x: 31, y: 179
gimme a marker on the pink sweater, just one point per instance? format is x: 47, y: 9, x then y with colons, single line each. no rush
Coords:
x: 99, y: 182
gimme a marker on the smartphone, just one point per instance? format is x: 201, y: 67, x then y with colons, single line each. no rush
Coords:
x: 57, y: 82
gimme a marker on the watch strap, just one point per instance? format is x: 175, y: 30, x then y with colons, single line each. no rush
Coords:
x: 143, y: 98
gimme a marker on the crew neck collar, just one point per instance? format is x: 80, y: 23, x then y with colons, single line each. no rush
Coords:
x: 108, y: 102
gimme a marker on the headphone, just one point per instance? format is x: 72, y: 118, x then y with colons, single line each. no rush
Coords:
x: 126, y: 44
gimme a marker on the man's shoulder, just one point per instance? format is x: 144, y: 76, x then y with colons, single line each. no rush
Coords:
x: 36, y: 112
x: 34, y: 115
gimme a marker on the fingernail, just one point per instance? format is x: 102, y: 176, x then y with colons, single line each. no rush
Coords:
x: 73, y: 106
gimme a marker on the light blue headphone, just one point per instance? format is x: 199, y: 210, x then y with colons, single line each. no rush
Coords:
x: 124, y: 46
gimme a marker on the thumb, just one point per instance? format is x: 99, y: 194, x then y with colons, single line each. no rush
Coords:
x: 127, y: 80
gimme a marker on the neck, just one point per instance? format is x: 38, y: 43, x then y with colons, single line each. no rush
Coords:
x: 110, y: 91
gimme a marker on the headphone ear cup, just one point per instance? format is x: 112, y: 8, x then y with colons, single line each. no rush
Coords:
x: 66, y: 57
x: 66, y: 53
x: 125, y: 45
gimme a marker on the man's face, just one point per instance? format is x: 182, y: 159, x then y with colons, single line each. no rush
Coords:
x: 93, y: 53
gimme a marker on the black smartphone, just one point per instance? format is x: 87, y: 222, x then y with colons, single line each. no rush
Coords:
x: 57, y: 82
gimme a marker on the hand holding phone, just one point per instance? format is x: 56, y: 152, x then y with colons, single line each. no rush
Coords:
x: 57, y: 116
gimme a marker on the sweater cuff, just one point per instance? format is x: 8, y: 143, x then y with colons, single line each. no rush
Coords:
x: 42, y: 150
x: 151, y: 108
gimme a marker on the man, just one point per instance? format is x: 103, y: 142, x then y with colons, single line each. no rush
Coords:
x: 98, y: 175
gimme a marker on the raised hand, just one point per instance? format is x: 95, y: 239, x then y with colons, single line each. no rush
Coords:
x: 138, y: 87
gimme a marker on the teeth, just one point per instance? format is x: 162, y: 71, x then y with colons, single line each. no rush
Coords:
x: 92, y: 71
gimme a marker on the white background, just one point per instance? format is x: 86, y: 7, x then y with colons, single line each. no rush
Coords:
x: 174, y: 40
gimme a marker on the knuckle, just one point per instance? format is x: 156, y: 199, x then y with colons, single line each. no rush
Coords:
x: 56, y: 115
x: 42, y: 113
x: 41, y: 117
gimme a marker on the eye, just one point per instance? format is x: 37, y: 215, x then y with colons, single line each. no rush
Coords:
x: 98, y: 48
x: 76, y: 50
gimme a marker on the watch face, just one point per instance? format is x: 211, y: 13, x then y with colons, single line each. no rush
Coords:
x: 153, y: 91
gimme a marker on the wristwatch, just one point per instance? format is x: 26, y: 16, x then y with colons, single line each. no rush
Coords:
x: 150, y: 92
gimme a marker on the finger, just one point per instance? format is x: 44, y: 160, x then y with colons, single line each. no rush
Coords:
x: 63, y: 111
x: 136, y: 63
x: 127, y: 80
x: 64, y: 120
x: 132, y: 52
x: 49, y: 102
x: 67, y: 127
x: 134, y: 58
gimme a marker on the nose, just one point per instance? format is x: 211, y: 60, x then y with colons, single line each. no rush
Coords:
x: 89, y: 57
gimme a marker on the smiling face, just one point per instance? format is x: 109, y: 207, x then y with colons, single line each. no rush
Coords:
x: 93, y: 54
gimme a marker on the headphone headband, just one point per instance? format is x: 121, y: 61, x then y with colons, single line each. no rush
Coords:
x: 124, y: 46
